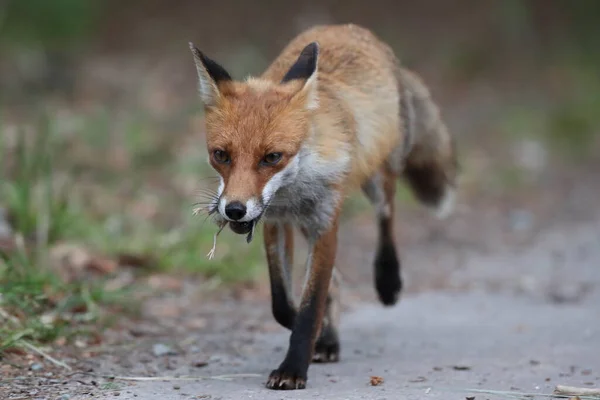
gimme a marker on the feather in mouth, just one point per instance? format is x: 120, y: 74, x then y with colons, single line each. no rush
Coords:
x: 241, y: 228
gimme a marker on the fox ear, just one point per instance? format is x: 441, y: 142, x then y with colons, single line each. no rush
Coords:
x: 210, y: 74
x: 305, y: 68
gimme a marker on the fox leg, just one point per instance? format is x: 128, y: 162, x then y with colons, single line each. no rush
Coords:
x: 292, y: 372
x: 380, y: 189
x: 327, y: 348
x: 279, y: 246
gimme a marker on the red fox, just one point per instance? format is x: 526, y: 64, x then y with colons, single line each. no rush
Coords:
x: 334, y: 113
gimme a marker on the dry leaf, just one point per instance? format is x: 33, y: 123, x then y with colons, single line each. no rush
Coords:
x: 73, y: 262
x: 102, y: 265
x: 164, y: 282
x: 135, y: 261
x: 197, y: 323
x: 376, y: 380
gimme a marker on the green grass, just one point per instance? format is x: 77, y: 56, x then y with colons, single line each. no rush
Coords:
x: 41, y: 189
x: 36, y: 305
x: 39, y: 307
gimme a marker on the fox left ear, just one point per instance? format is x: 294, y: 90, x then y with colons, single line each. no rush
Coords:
x: 305, y: 68
x: 210, y: 75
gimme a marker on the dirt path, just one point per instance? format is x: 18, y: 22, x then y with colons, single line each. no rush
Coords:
x: 521, y: 316
x: 502, y: 296
x: 444, y: 342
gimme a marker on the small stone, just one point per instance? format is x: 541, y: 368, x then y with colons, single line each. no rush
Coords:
x: 65, y: 397
x: 176, y: 387
x: 36, y: 367
x: 194, y: 349
x: 160, y: 349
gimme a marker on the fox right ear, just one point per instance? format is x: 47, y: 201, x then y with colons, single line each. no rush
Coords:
x: 210, y: 74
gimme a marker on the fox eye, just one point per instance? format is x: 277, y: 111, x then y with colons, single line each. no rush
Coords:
x: 271, y: 159
x: 222, y: 157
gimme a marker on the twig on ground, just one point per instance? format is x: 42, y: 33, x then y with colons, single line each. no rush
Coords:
x: 44, y: 354
x: 185, y: 378
x: 227, y: 377
x: 521, y: 395
x: 576, y: 391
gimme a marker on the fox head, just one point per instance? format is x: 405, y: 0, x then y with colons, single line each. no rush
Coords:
x: 254, y: 131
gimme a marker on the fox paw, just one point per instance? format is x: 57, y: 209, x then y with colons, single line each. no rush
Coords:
x: 286, y: 379
x: 327, y: 348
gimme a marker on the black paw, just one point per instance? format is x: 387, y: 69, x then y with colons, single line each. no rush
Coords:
x: 387, y: 275
x: 285, y: 378
x: 327, y: 348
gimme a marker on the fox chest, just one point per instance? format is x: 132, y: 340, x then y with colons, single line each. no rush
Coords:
x: 308, y: 204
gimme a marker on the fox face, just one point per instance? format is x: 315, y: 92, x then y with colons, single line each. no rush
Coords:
x: 255, y: 131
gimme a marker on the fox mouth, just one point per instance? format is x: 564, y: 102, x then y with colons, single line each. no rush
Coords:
x: 241, y: 228
x: 244, y: 228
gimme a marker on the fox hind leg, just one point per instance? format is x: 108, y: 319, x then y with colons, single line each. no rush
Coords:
x: 380, y: 190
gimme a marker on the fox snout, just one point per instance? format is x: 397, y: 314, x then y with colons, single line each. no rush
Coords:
x: 240, y: 211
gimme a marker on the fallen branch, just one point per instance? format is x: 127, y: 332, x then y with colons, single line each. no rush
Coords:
x: 576, y: 391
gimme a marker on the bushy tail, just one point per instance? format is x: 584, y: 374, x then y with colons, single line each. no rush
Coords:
x: 431, y: 165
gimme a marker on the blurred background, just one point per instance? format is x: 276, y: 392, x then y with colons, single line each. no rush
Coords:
x: 102, y: 152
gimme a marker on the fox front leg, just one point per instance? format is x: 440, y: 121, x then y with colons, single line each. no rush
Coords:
x: 292, y: 373
x: 279, y: 246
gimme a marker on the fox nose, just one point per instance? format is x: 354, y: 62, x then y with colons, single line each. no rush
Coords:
x: 235, y: 210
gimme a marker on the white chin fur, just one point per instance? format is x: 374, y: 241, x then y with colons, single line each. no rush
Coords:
x: 253, y: 210
x: 447, y: 204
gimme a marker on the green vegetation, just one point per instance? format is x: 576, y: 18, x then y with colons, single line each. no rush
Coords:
x: 54, y: 24
x: 47, y: 188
